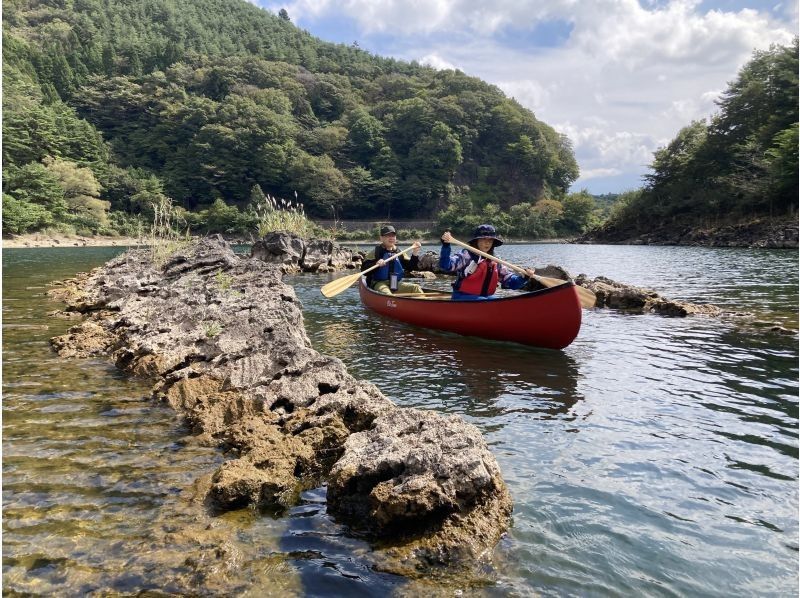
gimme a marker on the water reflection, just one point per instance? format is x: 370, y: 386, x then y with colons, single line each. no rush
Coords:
x: 504, y: 377
x: 340, y: 337
x: 439, y: 370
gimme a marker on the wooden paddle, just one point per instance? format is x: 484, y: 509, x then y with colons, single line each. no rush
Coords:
x: 586, y: 297
x: 340, y: 284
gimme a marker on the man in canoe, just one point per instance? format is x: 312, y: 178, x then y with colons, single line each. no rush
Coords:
x: 476, y: 276
x: 388, y: 278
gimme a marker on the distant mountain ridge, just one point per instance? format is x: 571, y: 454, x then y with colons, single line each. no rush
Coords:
x: 218, y: 100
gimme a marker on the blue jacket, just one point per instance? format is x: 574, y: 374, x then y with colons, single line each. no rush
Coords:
x: 382, y: 273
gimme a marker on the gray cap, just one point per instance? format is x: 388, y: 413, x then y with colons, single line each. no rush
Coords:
x: 387, y: 230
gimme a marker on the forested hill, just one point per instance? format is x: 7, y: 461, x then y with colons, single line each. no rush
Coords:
x: 110, y: 106
x: 738, y: 168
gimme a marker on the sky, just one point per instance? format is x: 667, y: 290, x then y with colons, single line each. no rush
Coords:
x: 620, y: 78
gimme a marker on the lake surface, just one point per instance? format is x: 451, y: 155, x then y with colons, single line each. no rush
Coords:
x: 654, y: 456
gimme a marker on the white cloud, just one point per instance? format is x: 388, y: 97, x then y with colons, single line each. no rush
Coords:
x: 593, y: 173
x: 437, y: 62
x: 627, y: 78
x: 530, y: 93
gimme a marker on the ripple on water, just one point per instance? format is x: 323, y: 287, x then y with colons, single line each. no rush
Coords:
x: 654, y: 456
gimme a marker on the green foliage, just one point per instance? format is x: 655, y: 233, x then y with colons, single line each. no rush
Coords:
x: 460, y: 216
x: 35, y: 184
x: 222, y: 218
x: 578, y: 214
x: 782, y: 169
x: 199, y: 101
x: 547, y: 218
x: 20, y: 216
x: 317, y: 178
x: 81, y: 193
x: 223, y: 280
x: 211, y: 328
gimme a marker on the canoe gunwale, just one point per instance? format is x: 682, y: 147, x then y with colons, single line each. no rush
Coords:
x: 548, y: 318
x: 517, y: 297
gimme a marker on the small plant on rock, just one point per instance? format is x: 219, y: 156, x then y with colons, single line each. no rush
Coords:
x: 211, y: 329
x: 165, y: 233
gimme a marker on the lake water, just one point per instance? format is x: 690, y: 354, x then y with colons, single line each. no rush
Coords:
x: 654, y: 456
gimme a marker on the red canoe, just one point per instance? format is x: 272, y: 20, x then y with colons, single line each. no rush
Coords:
x: 549, y: 318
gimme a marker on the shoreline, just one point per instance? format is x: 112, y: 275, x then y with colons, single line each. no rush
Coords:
x: 39, y: 240
x: 34, y: 240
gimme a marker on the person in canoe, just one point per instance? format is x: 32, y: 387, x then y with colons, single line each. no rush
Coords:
x: 476, y: 277
x: 388, y: 278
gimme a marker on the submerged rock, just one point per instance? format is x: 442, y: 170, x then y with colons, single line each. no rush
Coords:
x: 223, y: 338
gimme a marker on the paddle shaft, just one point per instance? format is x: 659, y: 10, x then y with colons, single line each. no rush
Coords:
x: 388, y: 259
x: 489, y: 256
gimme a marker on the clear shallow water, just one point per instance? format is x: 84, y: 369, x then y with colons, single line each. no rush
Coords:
x: 653, y: 456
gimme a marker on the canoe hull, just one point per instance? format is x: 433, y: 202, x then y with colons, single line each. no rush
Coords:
x: 549, y: 318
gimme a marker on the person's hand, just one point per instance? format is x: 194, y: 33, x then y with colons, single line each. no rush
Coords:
x: 530, y: 272
x: 446, y: 237
x: 416, y: 247
x: 381, y: 262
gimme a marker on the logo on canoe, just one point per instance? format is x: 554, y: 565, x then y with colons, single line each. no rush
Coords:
x: 391, y: 303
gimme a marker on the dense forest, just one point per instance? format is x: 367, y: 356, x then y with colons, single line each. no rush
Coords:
x: 112, y: 108
x: 739, y: 165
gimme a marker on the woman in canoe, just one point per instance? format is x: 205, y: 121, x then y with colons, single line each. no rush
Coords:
x: 476, y: 277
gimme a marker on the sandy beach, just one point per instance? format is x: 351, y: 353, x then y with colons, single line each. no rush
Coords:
x: 39, y: 240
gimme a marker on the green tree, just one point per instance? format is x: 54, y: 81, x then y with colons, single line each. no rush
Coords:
x: 20, y: 216
x: 318, y: 179
x: 578, y: 210
x: 34, y: 184
x: 81, y: 192
x: 222, y: 218
x: 783, y: 167
x: 365, y: 138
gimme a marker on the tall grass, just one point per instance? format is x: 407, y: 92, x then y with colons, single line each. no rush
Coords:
x: 165, y: 233
x: 279, y: 214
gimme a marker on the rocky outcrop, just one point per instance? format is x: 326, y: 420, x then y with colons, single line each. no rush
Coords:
x: 768, y: 233
x: 223, y: 338
x: 295, y: 254
x: 629, y: 298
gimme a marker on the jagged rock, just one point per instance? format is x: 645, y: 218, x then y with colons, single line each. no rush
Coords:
x: 409, y: 468
x: 552, y: 271
x: 84, y: 340
x: 318, y: 253
x: 223, y: 338
x: 429, y: 262
x: 624, y: 297
x: 286, y: 249
x: 295, y: 254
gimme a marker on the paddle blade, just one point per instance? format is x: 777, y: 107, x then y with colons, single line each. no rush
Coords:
x: 335, y: 287
x: 585, y: 296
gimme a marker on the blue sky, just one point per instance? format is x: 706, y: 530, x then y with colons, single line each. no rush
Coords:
x: 618, y: 77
